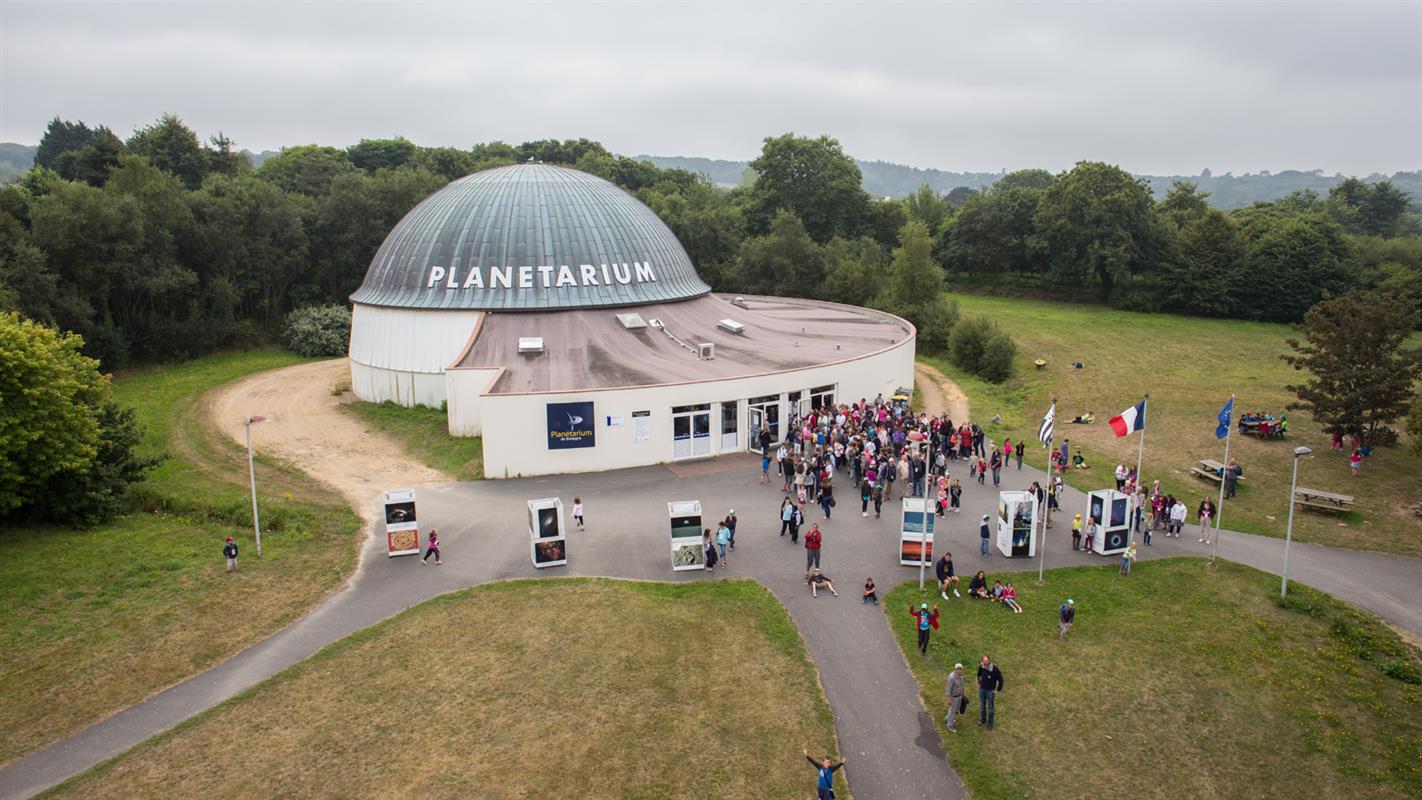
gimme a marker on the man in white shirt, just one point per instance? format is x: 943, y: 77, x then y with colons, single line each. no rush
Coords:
x: 1178, y: 512
x: 1121, y: 475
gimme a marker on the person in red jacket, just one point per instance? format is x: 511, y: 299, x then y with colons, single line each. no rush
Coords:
x: 813, y: 539
x: 926, y: 622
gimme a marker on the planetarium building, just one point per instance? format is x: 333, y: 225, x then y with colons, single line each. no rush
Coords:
x: 556, y: 315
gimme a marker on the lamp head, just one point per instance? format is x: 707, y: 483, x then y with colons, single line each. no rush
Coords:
x: 1301, y: 451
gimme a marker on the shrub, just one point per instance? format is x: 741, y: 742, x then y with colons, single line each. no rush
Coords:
x: 317, y: 331
x: 1402, y: 670
x: 979, y: 346
x: 935, y: 326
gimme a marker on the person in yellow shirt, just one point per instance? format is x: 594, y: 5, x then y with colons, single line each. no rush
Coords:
x: 1076, y: 526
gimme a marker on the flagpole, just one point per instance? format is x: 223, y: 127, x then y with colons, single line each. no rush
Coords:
x: 1219, y: 508
x: 1140, y: 452
x: 1046, y: 510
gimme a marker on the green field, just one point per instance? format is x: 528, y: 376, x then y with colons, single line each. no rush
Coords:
x: 100, y: 619
x: 567, y: 688
x: 425, y: 432
x: 1190, y: 367
x: 1178, y: 681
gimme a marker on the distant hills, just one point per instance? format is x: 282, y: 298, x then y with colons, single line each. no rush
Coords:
x: 883, y: 179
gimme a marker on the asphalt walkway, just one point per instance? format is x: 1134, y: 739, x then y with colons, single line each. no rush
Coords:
x: 893, y: 748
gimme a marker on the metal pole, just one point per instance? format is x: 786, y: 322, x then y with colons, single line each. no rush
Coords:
x: 1140, y: 453
x: 1289, y: 532
x: 928, y: 515
x: 252, y: 475
x: 1046, y: 511
x: 1219, y: 509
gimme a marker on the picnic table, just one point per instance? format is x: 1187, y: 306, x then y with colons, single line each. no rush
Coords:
x: 1327, y: 501
x: 1211, y: 469
x: 1263, y: 428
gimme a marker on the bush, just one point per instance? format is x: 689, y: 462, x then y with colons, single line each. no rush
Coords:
x: 935, y: 327
x: 979, y: 346
x: 317, y: 331
x: 1402, y: 670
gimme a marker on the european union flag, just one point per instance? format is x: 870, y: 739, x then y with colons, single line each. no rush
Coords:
x: 1225, y: 414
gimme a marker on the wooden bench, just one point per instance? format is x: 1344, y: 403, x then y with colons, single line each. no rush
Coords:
x: 1326, y: 501
x: 1211, y: 469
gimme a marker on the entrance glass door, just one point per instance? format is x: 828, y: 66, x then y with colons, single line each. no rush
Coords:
x: 691, y: 431
x: 765, y: 414
x: 757, y: 424
x: 730, y: 421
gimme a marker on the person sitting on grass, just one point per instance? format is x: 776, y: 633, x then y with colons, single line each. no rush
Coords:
x: 996, y: 591
x: 818, y: 580
x: 1078, y: 461
x: 978, y: 587
x: 1009, y: 598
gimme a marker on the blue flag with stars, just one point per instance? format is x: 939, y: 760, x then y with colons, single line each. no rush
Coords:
x: 1225, y: 414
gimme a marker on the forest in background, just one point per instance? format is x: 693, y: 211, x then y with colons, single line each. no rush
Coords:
x: 162, y: 246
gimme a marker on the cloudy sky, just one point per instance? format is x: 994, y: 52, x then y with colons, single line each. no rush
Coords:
x: 1158, y: 88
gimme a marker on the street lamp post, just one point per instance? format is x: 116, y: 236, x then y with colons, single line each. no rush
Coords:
x: 252, y: 476
x: 1299, y: 452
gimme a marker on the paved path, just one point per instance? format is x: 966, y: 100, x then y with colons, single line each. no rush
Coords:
x: 893, y: 748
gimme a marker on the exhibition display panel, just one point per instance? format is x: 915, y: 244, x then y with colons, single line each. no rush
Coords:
x: 1016, y: 524
x: 916, y: 532
x: 402, y: 532
x: 548, y: 546
x: 1111, y: 511
x: 687, y: 549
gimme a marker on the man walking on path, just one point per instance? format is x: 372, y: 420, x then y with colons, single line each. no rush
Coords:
x: 956, y: 697
x: 813, y: 540
x: 926, y: 622
x: 1066, y: 616
x: 989, y: 684
x: 983, y: 535
x: 230, y: 551
x: 1020, y: 448
x: 824, y: 785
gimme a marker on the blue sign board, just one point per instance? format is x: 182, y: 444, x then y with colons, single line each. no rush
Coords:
x: 570, y: 425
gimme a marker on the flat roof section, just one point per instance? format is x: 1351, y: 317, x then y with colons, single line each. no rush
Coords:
x: 591, y: 349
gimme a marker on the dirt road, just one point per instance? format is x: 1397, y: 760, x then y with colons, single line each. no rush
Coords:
x: 939, y: 394
x: 306, y: 426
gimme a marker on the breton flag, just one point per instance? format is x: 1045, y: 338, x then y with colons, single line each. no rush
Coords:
x: 1132, y: 419
x: 1226, y: 413
x: 1044, y: 434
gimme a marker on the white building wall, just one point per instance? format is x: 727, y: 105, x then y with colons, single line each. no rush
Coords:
x: 515, y: 427
x: 399, y: 354
x: 466, y: 388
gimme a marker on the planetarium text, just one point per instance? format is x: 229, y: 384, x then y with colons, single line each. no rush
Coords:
x: 544, y: 276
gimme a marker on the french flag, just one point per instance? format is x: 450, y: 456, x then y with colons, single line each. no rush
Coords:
x: 1132, y: 419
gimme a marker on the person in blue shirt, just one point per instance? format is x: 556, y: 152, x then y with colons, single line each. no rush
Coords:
x: 723, y: 540
x: 824, y: 786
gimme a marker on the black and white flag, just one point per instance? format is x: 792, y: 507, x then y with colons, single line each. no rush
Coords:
x: 1045, y: 434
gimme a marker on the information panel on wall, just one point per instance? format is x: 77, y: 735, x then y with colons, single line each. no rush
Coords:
x: 571, y: 425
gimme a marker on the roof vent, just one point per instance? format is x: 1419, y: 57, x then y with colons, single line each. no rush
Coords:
x: 656, y: 323
x: 530, y: 344
x: 706, y: 351
x: 732, y: 326
x: 631, y: 321
x: 740, y: 302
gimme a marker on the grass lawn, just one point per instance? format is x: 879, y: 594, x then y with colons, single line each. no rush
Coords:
x: 425, y: 432
x: 1190, y: 367
x: 1179, y: 681
x: 100, y: 619
x: 557, y: 688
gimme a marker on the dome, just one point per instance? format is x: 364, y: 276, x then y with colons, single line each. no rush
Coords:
x: 525, y: 237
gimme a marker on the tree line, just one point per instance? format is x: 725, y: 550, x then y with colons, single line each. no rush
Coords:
x: 162, y: 246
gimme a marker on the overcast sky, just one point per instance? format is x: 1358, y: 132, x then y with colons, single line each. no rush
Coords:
x: 1157, y: 88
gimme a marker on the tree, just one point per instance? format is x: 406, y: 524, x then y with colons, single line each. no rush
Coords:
x: 914, y: 281
x: 1375, y: 209
x: 373, y: 154
x: 307, y: 169
x: 927, y: 207
x: 174, y: 148
x: 992, y: 233
x: 1414, y: 427
x: 1208, y: 277
x: 1025, y: 179
x: 225, y: 159
x: 1292, y: 263
x: 856, y: 269
x: 1184, y: 203
x: 784, y: 261
x: 1360, y: 375
x: 815, y: 180
x: 50, y: 395
x: 60, y: 137
x: 959, y: 195
x: 1098, y: 226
